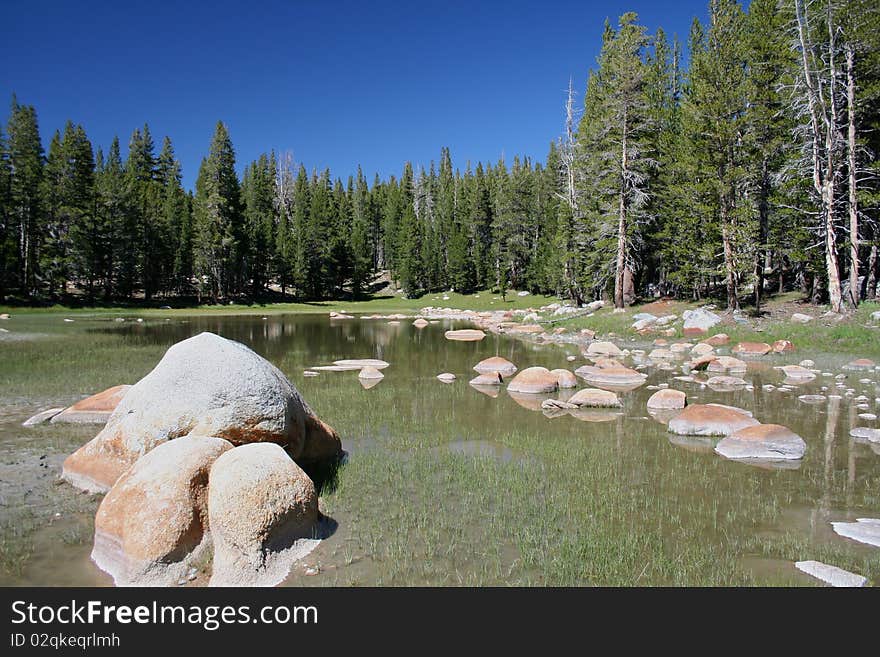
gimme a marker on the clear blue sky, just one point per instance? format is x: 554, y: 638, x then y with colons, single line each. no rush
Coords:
x: 337, y: 83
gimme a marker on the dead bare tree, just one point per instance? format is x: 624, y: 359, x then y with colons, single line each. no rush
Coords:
x: 818, y: 86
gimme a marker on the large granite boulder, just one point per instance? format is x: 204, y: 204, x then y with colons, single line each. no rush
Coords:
x: 154, y: 521
x: 699, y: 321
x: 263, y: 514
x: 203, y: 386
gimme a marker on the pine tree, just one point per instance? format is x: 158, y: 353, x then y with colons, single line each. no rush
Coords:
x: 303, y: 243
x: 25, y: 157
x: 767, y: 123
x: 113, y: 247
x: 360, y: 243
x: 613, y: 140
x: 78, y: 210
x: 176, y: 223
x: 258, y: 194
x: 7, y: 240
x: 217, y: 218
x: 714, y: 110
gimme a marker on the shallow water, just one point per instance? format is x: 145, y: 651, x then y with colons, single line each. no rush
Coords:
x: 446, y: 484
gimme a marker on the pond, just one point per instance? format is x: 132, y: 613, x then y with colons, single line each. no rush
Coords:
x: 447, y: 485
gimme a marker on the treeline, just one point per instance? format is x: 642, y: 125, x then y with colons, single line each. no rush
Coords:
x: 753, y: 170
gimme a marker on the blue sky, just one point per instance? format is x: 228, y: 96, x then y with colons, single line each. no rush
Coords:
x: 336, y: 83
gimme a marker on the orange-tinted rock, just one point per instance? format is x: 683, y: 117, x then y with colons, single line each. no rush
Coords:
x: 565, y: 378
x: 594, y: 398
x: 667, y: 399
x: 533, y: 380
x: 155, y: 518
x: 95, y: 409
x: 752, y: 348
x: 465, y: 335
x: 708, y: 420
x: 487, y: 379
x: 727, y: 364
x: 495, y: 364
x: 782, y: 346
x: 605, y: 363
x: 611, y: 377
x: 765, y: 441
x: 603, y: 349
x: 717, y: 340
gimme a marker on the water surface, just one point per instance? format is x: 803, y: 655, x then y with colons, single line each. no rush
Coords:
x: 447, y: 485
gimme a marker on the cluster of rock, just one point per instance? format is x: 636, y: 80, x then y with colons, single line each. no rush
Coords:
x: 205, y: 450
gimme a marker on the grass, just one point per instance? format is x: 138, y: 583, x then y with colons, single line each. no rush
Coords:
x: 482, y: 300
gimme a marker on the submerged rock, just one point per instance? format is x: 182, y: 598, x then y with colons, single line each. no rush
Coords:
x: 263, y: 514
x: 556, y: 404
x: 370, y: 372
x: 709, y: 420
x: 797, y: 373
x: 603, y: 349
x: 620, y: 377
x: 95, y: 409
x: 203, y: 386
x: 446, y: 377
x: 465, y: 335
x: 487, y: 379
x: 764, y: 441
x: 722, y: 383
x: 667, y: 399
x: 727, y: 364
x: 495, y: 364
x: 860, y: 364
x: 831, y: 574
x: 864, y: 530
x: 594, y: 398
x: 420, y: 323
x: 42, y: 416
x: 153, y: 523
x: 866, y: 433
x: 360, y: 363
x: 534, y: 380
x: 564, y: 378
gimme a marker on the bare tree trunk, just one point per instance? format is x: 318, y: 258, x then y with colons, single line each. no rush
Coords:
x: 621, y: 224
x: 822, y: 184
x: 730, y: 270
x: 871, y: 292
x: 761, y: 255
x: 854, y: 288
